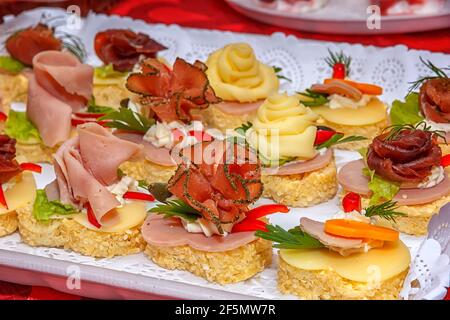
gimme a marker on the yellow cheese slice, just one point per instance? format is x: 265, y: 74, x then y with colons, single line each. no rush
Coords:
x: 22, y: 193
x: 375, y: 265
x: 130, y: 215
x: 373, y: 112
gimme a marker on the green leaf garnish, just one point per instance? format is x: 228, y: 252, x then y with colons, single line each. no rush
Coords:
x: 317, y: 99
x: 406, y: 112
x: 126, y: 119
x: 438, y: 73
x: 108, y: 71
x: 396, y: 129
x: 384, y: 210
x: 294, y: 238
x: 10, y: 65
x: 382, y: 190
x: 339, y: 138
x: 279, y: 76
x: 94, y: 108
x: 43, y: 209
x: 244, y: 128
x: 339, y: 57
x: 19, y: 127
x: 177, y: 208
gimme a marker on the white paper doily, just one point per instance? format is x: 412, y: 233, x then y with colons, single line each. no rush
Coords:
x: 302, y: 62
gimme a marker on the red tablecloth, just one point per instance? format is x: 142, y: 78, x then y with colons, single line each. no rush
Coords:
x: 216, y: 14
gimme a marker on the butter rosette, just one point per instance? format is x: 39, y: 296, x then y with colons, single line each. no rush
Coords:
x: 283, y: 128
x: 236, y: 75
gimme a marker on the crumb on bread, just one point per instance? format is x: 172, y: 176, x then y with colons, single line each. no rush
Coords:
x: 8, y: 223
x: 110, y: 95
x: 148, y: 171
x: 35, y: 152
x: 217, y: 119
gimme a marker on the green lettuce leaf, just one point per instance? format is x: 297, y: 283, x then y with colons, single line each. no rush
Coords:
x: 11, y: 65
x: 108, y: 71
x: 406, y: 112
x: 43, y: 209
x: 382, y: 190
x: 19, y: 127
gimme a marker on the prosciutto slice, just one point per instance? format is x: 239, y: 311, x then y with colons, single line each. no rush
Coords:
x: 160, y: 156
x: 236, y: 108
x: 297, y: 167
x: 76, y: 173
x: 162, y: 232
x: 351, y: 178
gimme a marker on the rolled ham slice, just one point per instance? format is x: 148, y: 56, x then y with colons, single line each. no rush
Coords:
x: 160, y: 156
x: 236, y: 108
x: 351, y: 178
x: 64, y: 77
x: 50, y: 115
x: 159, y: 231
x: 297, y: 167
x: 76, y: 174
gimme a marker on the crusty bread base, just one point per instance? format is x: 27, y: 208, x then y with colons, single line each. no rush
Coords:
x: 13, y: 88
x: 327, y: 284
x: 35, y: 152
x: 368, y: 131
x: 417, y: 216
x: 8, y: 223
x: 148, y: 171
x: 302, y: 190
x: 71, y: 235
x: 217, y: 119
x: 110, y: 95
x: 221, y: 267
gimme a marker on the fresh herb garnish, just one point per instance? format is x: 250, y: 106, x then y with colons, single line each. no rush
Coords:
x: 94, y: 108
x: 339, y: 138
x: 396, y: 129
x: 10, y: 65
x: 177, y: 208
x: 437, y: 73
x: 244, y: 128
x: 294, y: 238
x: 384, y: 210
x: 280, y: 76
x: 126, y: 119
x: 339, y: 57
x: 315, y: 99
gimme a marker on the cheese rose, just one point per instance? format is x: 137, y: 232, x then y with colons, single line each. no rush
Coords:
x: 283, y: 128
x: 236, y: 74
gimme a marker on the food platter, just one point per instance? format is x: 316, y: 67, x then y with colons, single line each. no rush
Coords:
x: 342, y: 17
x: 135, y: 276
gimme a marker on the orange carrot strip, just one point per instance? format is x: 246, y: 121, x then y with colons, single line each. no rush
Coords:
x: 366, y: 88
x: 355, y: 229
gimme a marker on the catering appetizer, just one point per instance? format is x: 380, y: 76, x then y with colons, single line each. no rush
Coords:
x: 206, y: 226
x: 344, y: 258
x: 166, y: 100
x: 120, y: 50
x: 350, y: 107
x: 59, y: 86
x: 17, y: 187
x: 431, y: 104
x: 241, y: 81
x: 89, y: 208
x: 299, y: 168
x: 403, y: 164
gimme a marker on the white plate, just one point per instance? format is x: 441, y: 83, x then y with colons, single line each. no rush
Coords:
x: 342, y: 17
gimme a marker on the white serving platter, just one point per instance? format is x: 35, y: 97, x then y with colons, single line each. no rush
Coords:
x: 342, y: 17
x: 136, y: 276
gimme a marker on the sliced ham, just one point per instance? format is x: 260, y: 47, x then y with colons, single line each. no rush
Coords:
x: 162, y: 232
x: 65, y: 77
x: 351, y: 178
x: 160, y: 156
x: 51, y: 116
x: 76, y: 173
x: 103, y: 152
x: 236, y: 108
x: 297, y: 167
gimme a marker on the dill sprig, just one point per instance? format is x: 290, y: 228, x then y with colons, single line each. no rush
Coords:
x: 279, y: 75
x: 294, y: 238
x: 396, y: 129
x: 126, y: 119
x: 384, y: 210
x: 437, y: 73
x: 339, y: 57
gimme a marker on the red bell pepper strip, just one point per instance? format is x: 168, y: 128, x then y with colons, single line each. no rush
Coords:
x: 33, y: 167
x: 445, y: 160
x: 249, y: 225
x: 133, y: 195
x: 89, y: 115
x: 91, y: 216
x: 351, y: 202
x: 2, y: 197
x: 265, y: 210
x: 323, y: 136
x: 339, y: 71
x: 3, y: 116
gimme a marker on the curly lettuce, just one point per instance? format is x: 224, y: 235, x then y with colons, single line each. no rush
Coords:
x: 406, y: 112
x: 44, y: 210
x: 19, y: 127
x: 10, y: 65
